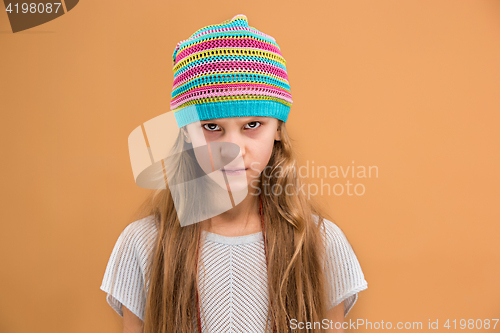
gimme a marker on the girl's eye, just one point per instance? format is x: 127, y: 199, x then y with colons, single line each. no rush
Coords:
x: 214, y: 127
x: 254, y: 124
x: 211, y: 127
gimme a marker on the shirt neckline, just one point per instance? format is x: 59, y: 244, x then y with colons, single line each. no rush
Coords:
x: 245, y: 239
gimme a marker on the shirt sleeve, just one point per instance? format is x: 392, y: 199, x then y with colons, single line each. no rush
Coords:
x: 342, y: 269
x: 124, y: 276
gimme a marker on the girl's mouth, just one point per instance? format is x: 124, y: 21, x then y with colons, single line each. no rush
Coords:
x: 233, y: 172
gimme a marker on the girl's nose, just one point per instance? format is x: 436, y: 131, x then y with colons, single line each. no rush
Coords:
x: 238, y: 143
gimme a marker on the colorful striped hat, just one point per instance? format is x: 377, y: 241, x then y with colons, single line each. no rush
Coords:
x: 229, y: 70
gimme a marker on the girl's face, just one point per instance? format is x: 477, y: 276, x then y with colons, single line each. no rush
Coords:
x: 253, y: 135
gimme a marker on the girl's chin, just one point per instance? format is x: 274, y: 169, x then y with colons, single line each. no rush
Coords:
x: 236, y: 183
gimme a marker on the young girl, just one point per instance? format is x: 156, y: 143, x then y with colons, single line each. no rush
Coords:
x: 271, y: 263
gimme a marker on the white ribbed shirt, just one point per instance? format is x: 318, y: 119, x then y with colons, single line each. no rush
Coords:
x: 233, y: 276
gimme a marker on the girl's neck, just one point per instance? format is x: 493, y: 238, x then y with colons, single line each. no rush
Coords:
x: 244, y: 219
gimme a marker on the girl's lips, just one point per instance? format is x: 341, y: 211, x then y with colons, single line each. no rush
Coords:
x: 234, y: 172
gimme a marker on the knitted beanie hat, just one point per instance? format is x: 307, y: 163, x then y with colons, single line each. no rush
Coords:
x: 229, y: 70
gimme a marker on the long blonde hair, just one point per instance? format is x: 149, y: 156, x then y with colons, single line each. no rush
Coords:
x: 296, y: 279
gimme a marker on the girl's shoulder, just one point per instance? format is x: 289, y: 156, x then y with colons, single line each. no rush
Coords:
x: 329, y: 228
x: 139, y: 236
x: 142, y: 227
x: 335, y: 238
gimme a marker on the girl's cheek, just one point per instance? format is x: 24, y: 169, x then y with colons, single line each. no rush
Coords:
x: 208, y: 136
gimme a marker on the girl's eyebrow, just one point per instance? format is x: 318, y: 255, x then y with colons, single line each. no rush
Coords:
x: 240, y: 119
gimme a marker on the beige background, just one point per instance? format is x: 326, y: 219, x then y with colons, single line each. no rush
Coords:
x: 408, y: 86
